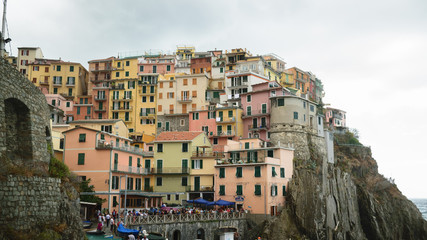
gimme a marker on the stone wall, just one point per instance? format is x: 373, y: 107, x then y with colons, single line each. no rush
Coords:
x: 188, y: 230
x: 24, y: 121
x: 174, y: 122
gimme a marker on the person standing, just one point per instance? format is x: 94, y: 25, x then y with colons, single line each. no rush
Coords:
x: 107, y: 219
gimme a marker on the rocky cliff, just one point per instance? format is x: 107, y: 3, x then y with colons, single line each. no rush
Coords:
x: 345, y: 200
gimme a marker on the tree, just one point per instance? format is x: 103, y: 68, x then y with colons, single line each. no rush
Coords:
x: 86, y: 188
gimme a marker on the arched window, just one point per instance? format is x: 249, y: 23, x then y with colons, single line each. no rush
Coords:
x: 18, y: 130
x: 176, y: 235
x: 201, y: 233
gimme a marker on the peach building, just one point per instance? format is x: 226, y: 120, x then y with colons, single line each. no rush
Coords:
x: 254, y: 176
x: 115, y: 168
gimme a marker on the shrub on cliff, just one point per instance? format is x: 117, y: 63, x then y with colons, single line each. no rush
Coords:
x: 58, y: 169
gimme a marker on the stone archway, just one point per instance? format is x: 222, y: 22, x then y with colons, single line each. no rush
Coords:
x: 18, y: 130
x: 176, y: 235
x: 200, y: 234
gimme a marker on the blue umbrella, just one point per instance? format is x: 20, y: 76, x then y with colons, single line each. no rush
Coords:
x: 199, y: 201
x: 223, y: 203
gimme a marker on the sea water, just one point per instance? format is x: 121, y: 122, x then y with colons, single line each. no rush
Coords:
x: 99, y: 237
x: 421, y: 205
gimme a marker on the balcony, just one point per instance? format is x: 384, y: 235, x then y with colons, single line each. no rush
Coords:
x: 184, y: 99
x: 121, y: 109
x: 71, y: 84
x: 241, y: 160
x: 129, y: 120
x: 233, y: 97
x: 203, y: 188
x: 147, y: 115
x: 224, y: 134
x: 130, y: 169
x: 256, y: 114
x: 238, y: 85
x: 101, y: 69
x: 118, y: 87
x: 44, y: 83
x: 100, y: 98
x: 101, y: 85
x: 196, y: 154
x: 123, y: 99
x: 58, y: 84
x: 146, y: 93
x: 257, y: 127
x: 228, y: 120
x: 141, y: 82
x: 171, y: 170
x: 99, y: 110
x: 104, y: 145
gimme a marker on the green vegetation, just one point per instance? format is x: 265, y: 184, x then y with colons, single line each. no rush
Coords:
x: 58, y: 169
x: 85, y: 187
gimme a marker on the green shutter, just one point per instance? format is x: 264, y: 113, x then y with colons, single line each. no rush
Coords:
x: 239, y: 172
x: 257, y: 190
x: 282, y: 172
x: 192, y: 164
x: 271, y: 190
x: 81, y: 160
x: 222, y: 173
x: 273, y: 171
x: 284, y: 190
x: 239, y: 190
x: 246, y: 145
x: 222, y: 190
x: 257, y: 171
x: 82, y: 137
x: 275, y: 190
x: 201, y: 164
x: 130, y: 161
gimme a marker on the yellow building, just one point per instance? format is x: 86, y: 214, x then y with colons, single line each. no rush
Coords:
x: 66, y: 78
x: 27, y: 55
x: 185, y: 52
x: 146, y: 104
x: 184, y: 166
x: 229, y: 122
x: 123, y: 93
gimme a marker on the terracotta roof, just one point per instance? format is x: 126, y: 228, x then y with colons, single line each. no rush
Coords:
x: 177, y: 136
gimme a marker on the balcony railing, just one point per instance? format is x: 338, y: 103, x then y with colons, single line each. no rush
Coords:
x: 102, y: 144
x: 185, y: 99
x: 207, y: 154
x: 147, y: 115
x: 256, y: 114
x: 228, y: 120
x: 44, y: 83
x: 204, y: 188
x: 174, y: 218
x: 70, y: 84
x: 130, y: 169
x: 100, y: 109
x: 146, y: 92
x: 57, y: 83
x: 171, y: 170
x: 100, y: 98
x: 257, y: 127
x: 224, y: 134
x: 124, y: 109
x: 98, y: 69
x: 118, y: 87
x: 241, y: 160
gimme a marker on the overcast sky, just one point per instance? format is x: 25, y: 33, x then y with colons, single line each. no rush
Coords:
x: 370, y: 55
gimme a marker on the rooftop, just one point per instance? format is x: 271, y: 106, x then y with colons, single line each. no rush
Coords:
x: 177, y: 136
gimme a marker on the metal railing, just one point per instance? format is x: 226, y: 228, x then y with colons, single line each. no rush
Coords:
x: 173, y: 218
x: 254, y: 127
x: 102, y: 144
x: 202, y: 188
x: 171, y: 170
x: 207, y: 154
x: 100, y: 98
x: 130, y: 169
x: 241, y: 160
x: 227, y: 133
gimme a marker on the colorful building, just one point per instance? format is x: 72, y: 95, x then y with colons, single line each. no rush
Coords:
x: 335, y: 118
x: 113, y: 166
x: 100, y: 72
x: 301, y: 81
x: 158, y: 63
x: 27, y: 55
x: 238, y: 83
x: 254, y: 176
x: 184, y: 166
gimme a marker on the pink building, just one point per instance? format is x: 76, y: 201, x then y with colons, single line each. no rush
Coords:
x: 256, y: 109
x: 335, y: 118
x: 83, y: 108
x: 202, y: 120
x: 58, y: 101
x: 254, y: 176
x: 161, y: 64
x: 114, y: 167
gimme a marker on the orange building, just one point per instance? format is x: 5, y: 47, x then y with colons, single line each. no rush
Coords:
x: 115, y: 168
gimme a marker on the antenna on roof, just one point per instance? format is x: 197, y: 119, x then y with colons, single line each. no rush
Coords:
x: 2, y: 33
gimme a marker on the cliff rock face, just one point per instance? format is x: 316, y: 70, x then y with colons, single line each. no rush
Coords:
x: 345, y: 200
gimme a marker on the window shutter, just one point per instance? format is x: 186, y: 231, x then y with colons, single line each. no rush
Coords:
x: 222, y: 173
x: 201, y: 164
x: 272, y: 187
x: 81, y: 160
x: 192, y: 164
x: 275, y: 190
x: 257, y: 171
x: 282, y: 172
x: 284, y: 190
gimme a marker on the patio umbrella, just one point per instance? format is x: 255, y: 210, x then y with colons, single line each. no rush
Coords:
x: 223, y: 203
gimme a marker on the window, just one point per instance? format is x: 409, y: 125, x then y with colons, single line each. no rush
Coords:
x: 215, y: 141
x: 257, y: 171
x: 284, y: 190
x: 71, y: 68
x: 194, y: 94
x: 312, y: 108
x: 281, y: 102
x: 282, y: 172
x: 126, y: 74
x: 117, y: 74
x: 264, y: 108
x: 168, y: 67
x: 141, y: 68
x: 170, y: 84
x: 154, y: 69
x: 239, y: 173
x: 221, y: 172
x: 82, y: 137
x: 304, y: 105
x: 221, y: 70
x: 130, y: 183
x: 53, y: 102
x: 273, y: 171
x: 127, y: 63
x: 184, y: 181
x: 88, y: 110
x: 159, y: 124
x: 159, y: 147
x: 159, y: 108
x: 270, y: 153
x: 295, y: 115
x: 239, y: 190
x: 273, y: 190
x: 248, y: 98
x: 257, y: 190
x: 81, y: 160
x: 196, y: 164
x: 58, y: 68
x: 185, y: 82
x: 138, y: 184
x: 159, y: 181
x: 194, y: 81
x: 130, y: 161
x: 55, y: 90
x: 144, y: 99
x: 246, y: 145
x: 230, y: 113
x: 249, y: 110
x: 115, y: 182
x: 119, y: 64
x: 160, y: 95
x: 221, y: 190
x: 168, y: 197
x: 176, y: 197
x: 195, y: 116
x: 185, y: 147
x: 67, y: 104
